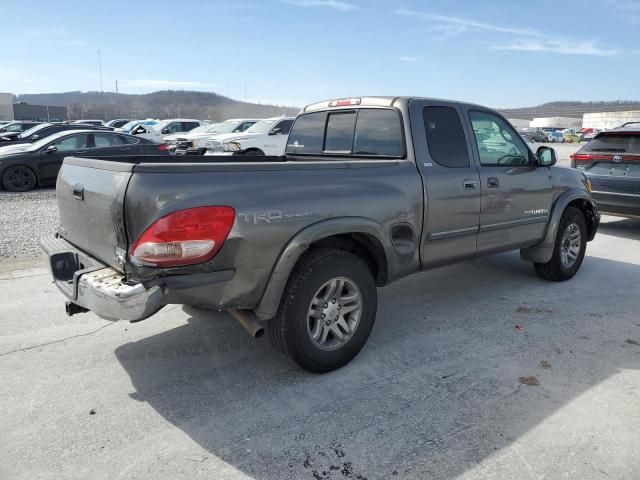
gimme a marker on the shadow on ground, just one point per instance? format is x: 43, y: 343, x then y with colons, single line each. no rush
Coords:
x: 461, y: 363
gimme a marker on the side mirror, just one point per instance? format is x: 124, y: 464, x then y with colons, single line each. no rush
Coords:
x: 547, y: 156
x: 51, y: 149
x: 35, y: 137
x: 275, y: 131
x: 165, y: 131
x: 138, y: 131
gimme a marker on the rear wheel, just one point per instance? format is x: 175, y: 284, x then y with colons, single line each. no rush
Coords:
x: 327, y: 311
x: 569, y: 247
x: 254, y: 151
x: 18, y: 178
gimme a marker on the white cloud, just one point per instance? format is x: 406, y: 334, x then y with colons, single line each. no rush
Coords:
x: 560, y: 46
x: 408, y: 59
x: 520, y: 39
x: 56, y: 34
x: 334, y: 4
x: 170, y: 84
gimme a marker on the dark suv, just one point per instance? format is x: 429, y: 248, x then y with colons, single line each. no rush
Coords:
x: 43, y: 130
x: 16, y: 127
x: 611, y: 161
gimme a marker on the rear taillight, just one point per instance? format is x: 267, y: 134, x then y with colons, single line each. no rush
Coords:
x: 580, y: 157
x: 163, y: 148
x: 183, y: 238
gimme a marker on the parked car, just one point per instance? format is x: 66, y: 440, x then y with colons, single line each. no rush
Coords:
x: 591, y: 135
x: 24, y: 166
x: 117, y: 123
x: 535, y: 135
x: 611, y: 161
x: 299, y: 243
x: 97, y: 123
x: 195, y: 143
x: 41, y: 131
x: 554, y: 136
x: 158, y: 131
x: 17, y: 127
x: 571, y: 137
x: 266, y: 137
x: 128, y: 127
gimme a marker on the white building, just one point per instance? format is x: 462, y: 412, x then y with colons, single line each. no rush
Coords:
x: 519, y: 122
x: 6, y: 106
x: 607, y: 120
x: 556, y: 122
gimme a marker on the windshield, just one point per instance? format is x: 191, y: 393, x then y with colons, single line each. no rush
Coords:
x: 129, y: 126
x: 33, y: 130
x: 225, y: 127
x: 260, y: 127
x: 12, y: 127
x: 201, y: 129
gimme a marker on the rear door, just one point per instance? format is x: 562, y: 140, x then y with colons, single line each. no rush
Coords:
x: 451, y: 182
x: 516, y: 192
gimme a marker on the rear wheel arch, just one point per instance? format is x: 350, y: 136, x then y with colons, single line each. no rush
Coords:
x: 360, y: 236
x: 253, y: 151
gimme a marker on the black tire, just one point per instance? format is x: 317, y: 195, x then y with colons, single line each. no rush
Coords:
x: 289, y: 330
x: 255, y: 151
x: 18, y: 178
x: 555, y: 270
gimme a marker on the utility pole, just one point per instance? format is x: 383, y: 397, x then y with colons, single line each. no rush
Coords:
x: 245, y: 91
x: 116, y: 86
x: 100, y: 68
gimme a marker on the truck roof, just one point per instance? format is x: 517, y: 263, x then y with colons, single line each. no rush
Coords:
x: 373, y: 101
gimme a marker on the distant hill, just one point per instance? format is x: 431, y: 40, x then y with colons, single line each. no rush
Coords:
x: 568, y: 109
x: 163, y: 104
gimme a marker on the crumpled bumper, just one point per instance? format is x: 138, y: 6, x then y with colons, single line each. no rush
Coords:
x: 97, y: 287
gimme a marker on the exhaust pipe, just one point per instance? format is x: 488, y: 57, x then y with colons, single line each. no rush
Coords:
x: 249, y: 322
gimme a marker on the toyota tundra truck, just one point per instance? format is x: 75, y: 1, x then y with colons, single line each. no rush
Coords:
x: 369, y: 190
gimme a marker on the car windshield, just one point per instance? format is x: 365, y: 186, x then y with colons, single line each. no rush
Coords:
x: 129, y: 126
x: 260, y: 127
x: 45, y: 141
x: 160, y: 125
x: 33, y: 130
x: 225, y: 127
x: 12, y: 127
x: 201, y: 129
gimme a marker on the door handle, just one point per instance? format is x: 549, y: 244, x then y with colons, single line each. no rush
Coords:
x: 493, y: 182
x: 469, y: 184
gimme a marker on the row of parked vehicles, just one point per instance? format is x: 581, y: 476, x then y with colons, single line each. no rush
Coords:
x: 31, y: 153
x: 567, y: 135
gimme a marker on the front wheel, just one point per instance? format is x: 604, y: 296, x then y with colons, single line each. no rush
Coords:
x: 569, y: 247
x: 19, y: 179
x: 327, y: 310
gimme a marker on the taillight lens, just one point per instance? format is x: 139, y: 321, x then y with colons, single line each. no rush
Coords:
x: 164, y: 147
x: 184, y: 238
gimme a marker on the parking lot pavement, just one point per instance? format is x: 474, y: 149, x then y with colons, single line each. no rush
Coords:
x: 472, y: 371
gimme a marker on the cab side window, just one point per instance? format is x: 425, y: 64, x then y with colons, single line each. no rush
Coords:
x: 445, y: 137
x: 243, y: 126
x: 498, y: 144
x: 282, y: 128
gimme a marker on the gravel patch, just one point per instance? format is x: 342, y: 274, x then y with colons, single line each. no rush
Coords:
x: 24, y: 219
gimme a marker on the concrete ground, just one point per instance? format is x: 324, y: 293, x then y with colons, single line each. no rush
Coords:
x: 473, y: 371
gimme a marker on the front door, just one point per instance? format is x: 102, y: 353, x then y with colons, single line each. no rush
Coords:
x: 451, y: 183
x: 516, y: 192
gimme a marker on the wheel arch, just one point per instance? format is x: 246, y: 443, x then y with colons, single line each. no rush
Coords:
x: 35, y: 171
x: 542, y: 252
x: 359, y: 236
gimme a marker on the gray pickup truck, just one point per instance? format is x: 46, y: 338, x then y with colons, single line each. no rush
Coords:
x: 370, y: 190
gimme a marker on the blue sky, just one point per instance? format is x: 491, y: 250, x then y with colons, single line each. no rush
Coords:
x: 498, y: 53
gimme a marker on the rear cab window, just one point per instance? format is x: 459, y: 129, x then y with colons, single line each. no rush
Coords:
x: 366, y: 132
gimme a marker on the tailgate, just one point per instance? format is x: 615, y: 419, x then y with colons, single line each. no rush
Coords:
x: 90, y: 195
